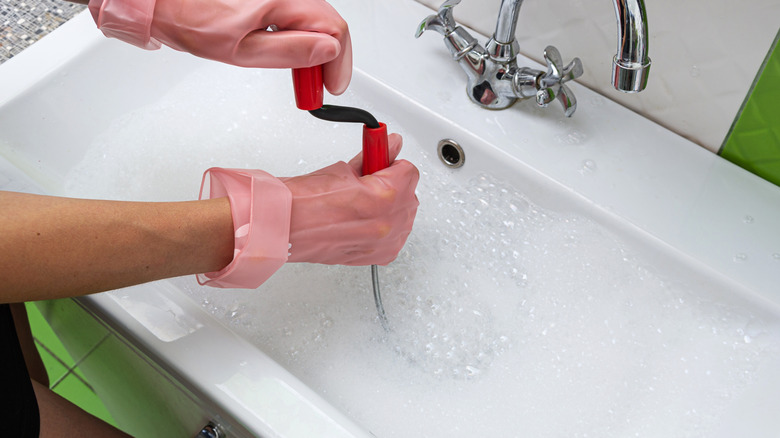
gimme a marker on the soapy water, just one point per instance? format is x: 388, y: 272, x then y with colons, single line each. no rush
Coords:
x: 507, y: 319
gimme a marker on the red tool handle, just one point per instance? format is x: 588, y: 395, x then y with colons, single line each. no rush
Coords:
x: 375, y: 154
x: 307, y: 83
x: 309, y: 94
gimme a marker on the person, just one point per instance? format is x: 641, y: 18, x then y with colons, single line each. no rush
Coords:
x: 246, y: 224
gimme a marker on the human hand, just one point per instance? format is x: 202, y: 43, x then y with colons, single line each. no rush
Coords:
x: 330, y: 216
x: 247, y: 33
x: 341, y: 217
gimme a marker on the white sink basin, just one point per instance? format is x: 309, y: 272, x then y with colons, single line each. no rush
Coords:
x: 592, y: 276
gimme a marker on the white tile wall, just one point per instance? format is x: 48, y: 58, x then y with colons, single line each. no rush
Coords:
x: 705, y: 53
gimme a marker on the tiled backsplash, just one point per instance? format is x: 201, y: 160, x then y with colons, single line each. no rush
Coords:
x: 705, y: 54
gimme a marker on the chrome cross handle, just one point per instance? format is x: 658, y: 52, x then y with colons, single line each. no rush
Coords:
x: 552, y: 84
x: 442, y: 22
x: 458, y: 41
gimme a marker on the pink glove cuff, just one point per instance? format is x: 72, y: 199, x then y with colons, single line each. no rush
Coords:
x: 261, y: 206
x: 126, y: 20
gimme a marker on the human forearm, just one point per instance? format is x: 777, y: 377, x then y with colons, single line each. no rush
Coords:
x: 55, y: 247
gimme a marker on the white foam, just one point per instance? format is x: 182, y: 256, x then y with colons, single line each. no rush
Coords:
x: 507, y: 319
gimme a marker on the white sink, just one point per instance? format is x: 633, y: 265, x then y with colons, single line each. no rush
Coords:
x: 591, y: 276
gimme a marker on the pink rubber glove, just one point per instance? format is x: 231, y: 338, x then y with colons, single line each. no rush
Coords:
x: 260, y: 206
x: 331, y: 216
x: 340, y: 217
x: 305, y: 32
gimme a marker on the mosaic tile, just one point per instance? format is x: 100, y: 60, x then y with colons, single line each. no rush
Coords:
x: 24, y: 22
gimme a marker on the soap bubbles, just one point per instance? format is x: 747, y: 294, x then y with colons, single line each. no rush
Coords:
x: 504, y: 315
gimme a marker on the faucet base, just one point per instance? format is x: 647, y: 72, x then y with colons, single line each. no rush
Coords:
x: 502, y: 52
x: 490, y: 84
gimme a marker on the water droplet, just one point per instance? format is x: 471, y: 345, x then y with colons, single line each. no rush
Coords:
x: 748, y: 219
x: 571, y: 137
x: 597, y: 101
x: 588, y: 166
x: 740, y: 257
x: 694, y: 71
x: 776, y: 256
x: 472, y: 371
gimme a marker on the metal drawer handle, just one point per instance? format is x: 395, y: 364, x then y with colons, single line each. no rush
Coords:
x: 211, y: 430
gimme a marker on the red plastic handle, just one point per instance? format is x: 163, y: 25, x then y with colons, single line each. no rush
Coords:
x: 375, y: 154
x: 309, y: 95
x: 307, y: 83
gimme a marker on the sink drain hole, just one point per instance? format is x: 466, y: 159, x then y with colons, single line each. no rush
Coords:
x: 451, y: 154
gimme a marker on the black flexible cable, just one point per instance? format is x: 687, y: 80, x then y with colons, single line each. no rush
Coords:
x: 335, y: 113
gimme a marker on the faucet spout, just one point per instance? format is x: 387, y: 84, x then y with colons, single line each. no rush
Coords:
x: 507, y: 21
x: 631, y: 65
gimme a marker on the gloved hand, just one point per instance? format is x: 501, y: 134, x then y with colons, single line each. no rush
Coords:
x: 342, y: 218
x: 305, y: 32
x: 331, y: 216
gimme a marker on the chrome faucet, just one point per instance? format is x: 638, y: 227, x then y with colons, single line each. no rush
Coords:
x: 494, y: 79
